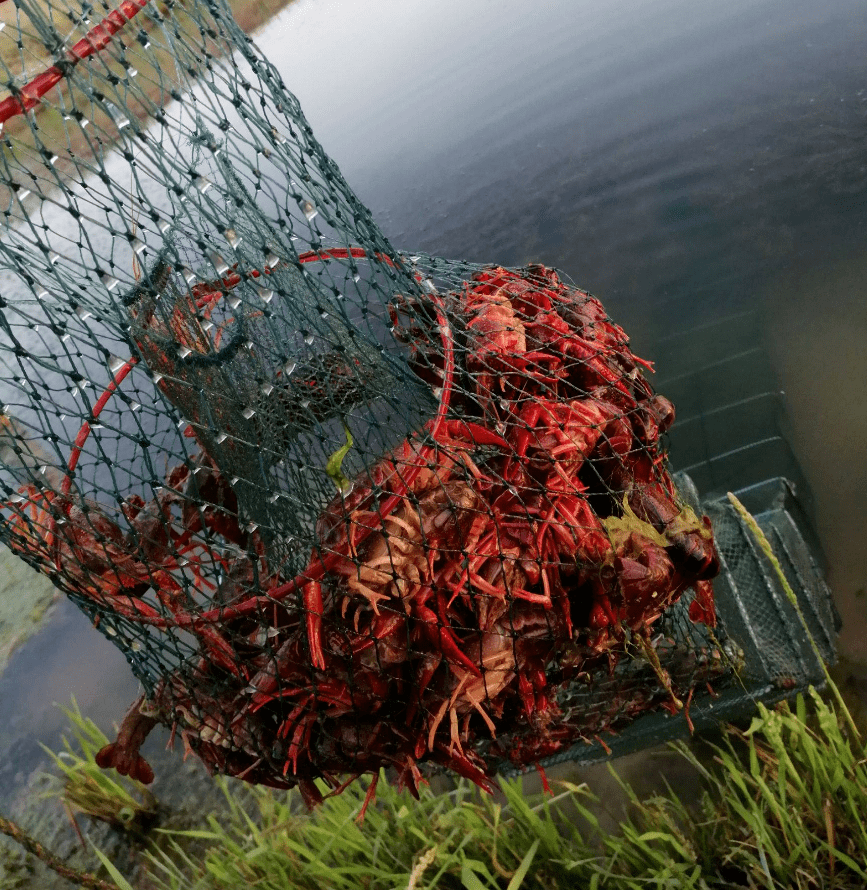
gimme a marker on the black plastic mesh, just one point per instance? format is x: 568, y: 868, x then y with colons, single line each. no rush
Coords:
x: 340, y: 506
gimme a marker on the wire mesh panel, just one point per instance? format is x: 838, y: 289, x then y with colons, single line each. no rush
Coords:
x: 759, y: 649
x: 740, y: 439
x: 341, y: 507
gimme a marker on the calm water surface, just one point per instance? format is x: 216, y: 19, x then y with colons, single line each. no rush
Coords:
x: 701, y: 168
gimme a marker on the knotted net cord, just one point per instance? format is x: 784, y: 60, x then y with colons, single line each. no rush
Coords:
x: 342, y: 507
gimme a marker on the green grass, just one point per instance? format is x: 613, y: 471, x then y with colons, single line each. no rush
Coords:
x: 85, y: 788
x: 458, y: 839
x: 784, y: 806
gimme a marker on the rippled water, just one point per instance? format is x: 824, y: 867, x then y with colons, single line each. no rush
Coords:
x: 702, y: 168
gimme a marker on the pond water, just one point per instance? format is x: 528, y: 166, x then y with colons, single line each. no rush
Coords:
x: 702, y: 168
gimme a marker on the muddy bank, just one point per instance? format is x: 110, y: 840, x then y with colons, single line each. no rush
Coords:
x: 26, y: 601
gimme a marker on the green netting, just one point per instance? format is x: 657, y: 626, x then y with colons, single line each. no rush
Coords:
x: 340, y: 506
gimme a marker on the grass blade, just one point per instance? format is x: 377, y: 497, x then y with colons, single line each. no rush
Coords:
x: 524, y: 867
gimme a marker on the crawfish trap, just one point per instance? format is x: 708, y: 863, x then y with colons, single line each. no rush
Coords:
x: 342, y: 507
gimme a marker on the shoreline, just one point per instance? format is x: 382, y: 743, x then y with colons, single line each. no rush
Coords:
x: 251, y: 15
x: 25, y: 138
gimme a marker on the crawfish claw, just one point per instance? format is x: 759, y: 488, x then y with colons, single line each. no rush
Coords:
x: 127, y: 763
x: 123, y: 753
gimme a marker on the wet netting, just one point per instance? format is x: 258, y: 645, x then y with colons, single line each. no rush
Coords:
x: 341, y: 507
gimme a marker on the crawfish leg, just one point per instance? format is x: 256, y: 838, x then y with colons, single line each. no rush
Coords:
x: 313, y: 609
x: 444, y: 641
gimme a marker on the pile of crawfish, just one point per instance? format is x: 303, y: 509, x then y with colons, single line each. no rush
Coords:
x: 526, y: 539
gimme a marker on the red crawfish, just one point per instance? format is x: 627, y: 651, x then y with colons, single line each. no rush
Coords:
x: 467, y: 581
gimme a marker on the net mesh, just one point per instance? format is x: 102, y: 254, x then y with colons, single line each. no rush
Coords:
x: 341, y: 507
x: 762, y: 646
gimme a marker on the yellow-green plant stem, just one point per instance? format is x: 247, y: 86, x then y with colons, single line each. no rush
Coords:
x: 765, y: 545
x: 662, y: 674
